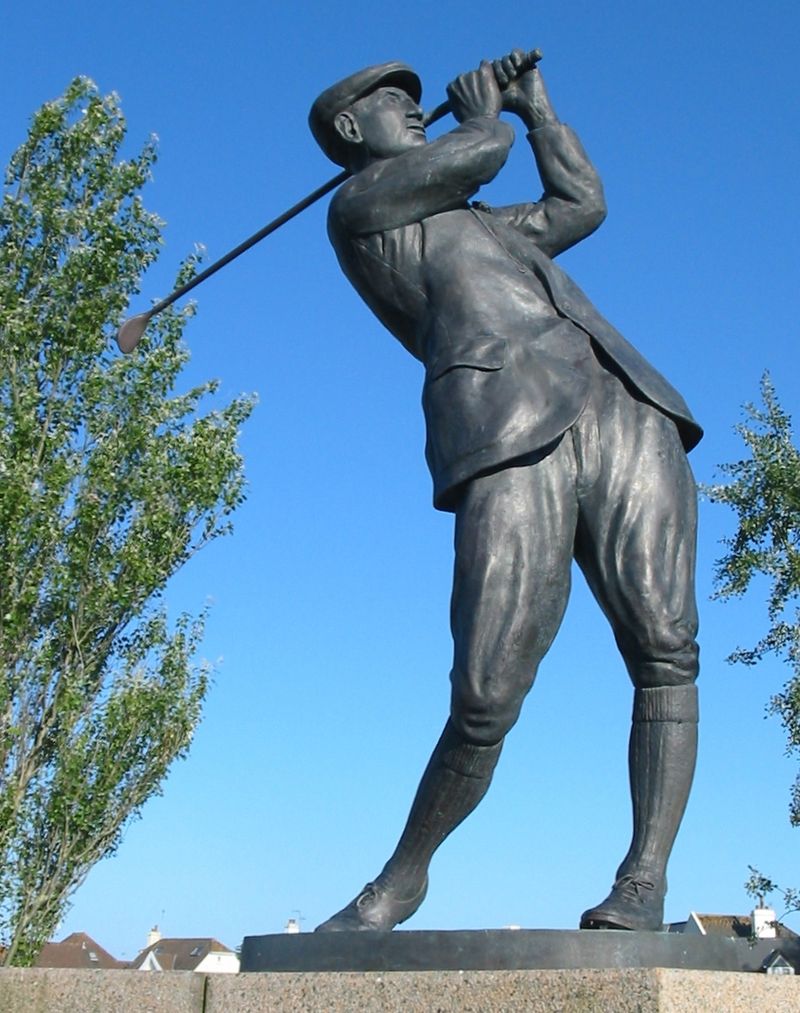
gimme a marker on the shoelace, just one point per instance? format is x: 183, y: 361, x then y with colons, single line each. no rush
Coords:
x: 367, y: 894
x: 633, y: 888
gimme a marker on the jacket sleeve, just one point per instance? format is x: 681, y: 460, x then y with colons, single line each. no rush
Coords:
x: 572, y: 205
x: 423, y: 181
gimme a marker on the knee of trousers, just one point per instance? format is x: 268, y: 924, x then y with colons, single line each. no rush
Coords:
x: 483, y: 714
x: 671, y: 661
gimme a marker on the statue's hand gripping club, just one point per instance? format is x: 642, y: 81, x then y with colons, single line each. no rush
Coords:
x: 508, y: 75
x: 468, y: 93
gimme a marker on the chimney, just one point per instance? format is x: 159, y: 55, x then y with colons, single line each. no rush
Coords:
x: 153, y: 936
x: 764, y: 922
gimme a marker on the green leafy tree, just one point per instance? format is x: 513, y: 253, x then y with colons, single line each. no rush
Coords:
x: 109, y: 482
x: 758, y: 887
x: 764, y: 491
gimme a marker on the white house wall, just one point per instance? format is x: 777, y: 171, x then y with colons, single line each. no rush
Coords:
x: 219, y: 963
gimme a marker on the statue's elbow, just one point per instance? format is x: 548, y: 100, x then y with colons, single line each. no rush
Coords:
x: 495, y: 149
x: 595, y: 209
x: 493, y: 159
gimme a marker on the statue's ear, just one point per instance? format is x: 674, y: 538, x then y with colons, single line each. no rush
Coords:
x: 346, y: 125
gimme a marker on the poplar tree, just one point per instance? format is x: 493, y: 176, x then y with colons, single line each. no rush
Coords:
x: 763, y: 489
x: 110, y: 481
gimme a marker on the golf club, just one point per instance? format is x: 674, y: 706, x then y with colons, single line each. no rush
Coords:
x: 133, y: 328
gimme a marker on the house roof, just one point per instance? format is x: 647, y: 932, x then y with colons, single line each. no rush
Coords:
x: 77, y: 950
x: 777, y: 959
x: 737, y: 925
x: 180, y: 954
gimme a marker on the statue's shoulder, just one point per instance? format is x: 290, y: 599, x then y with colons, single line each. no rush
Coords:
x: 358, y: 196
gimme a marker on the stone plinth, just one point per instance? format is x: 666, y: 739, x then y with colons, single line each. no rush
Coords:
x: 593, y: 991
x: 58, y: 990
x: 649, y: 990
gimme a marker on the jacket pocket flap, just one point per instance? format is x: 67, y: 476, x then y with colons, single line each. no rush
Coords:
x: 480, y: 351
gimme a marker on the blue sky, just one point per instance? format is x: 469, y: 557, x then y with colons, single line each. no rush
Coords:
x: 330, y: 603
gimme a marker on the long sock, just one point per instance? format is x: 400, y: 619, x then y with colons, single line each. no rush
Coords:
x: 456, y: 779
x: 662, y: 755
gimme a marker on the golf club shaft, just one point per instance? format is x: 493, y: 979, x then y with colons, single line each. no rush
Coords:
x: 530, y: 61
x: 438, y: 113
x: 262, y: 233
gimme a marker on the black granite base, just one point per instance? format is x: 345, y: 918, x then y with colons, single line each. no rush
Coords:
x: 506, y: 949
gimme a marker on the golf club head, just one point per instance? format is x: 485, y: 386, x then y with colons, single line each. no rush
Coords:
x: 131, y: 331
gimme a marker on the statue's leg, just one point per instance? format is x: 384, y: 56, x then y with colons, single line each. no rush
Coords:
x: 514, y: 537
x: 636, y: 546
x: 455, y: 780
x: 662, y: 751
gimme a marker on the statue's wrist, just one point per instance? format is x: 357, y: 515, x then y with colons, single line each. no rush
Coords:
x: 537, y: 120
x: 534, y: 116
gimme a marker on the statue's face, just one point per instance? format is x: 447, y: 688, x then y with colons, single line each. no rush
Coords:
x: 389, y: 122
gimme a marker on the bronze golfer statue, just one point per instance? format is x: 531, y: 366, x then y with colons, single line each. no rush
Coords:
x: 548, y: 436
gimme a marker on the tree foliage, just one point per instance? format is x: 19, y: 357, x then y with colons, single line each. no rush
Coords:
x: 109, y: 482
x: 764, y: 491
x: 759, y: 886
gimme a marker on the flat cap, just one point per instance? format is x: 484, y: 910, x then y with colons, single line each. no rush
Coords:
x: 343, y: 94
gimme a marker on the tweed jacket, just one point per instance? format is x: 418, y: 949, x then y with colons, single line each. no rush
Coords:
x: 473, y: 293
